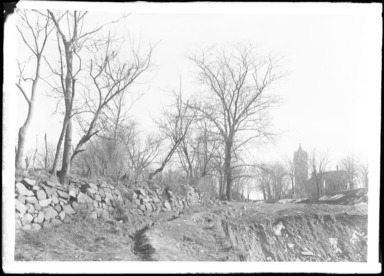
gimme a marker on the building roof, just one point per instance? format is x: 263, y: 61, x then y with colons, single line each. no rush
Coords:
x: 332, y: 176
x: 300, y: 148
x: 300, y: 153
x: 335, y: 174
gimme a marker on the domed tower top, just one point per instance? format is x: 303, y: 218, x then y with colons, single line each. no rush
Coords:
x: 300, y: 153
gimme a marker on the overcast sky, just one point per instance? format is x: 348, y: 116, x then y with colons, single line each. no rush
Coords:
x: 330, y: 96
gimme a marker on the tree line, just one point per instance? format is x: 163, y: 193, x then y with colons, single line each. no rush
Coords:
x: 202, y: 139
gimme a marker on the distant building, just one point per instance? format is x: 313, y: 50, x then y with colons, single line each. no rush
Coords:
x: 331, y: 181
x: 300, y: 161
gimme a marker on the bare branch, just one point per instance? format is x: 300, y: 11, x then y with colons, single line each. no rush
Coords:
x: 24, y: 94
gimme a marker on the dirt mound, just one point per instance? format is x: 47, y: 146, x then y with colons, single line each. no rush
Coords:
x: 244, y: 232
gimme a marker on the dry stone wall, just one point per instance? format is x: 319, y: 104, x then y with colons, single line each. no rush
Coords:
x: 154, y: 199
x: 44, y: 203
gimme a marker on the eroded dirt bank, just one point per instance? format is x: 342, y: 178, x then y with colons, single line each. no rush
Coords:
x: 218, y: 232
x: 260, y: 232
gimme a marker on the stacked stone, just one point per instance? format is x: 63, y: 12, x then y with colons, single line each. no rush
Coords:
x: 193, y: 196
x: 147, y: 201
x: 175, y: 201
x: 47, y: 203
x: 155, y: 199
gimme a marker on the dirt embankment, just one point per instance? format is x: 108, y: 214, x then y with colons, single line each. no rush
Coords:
x: 215, y: 232
x: 260, y: 232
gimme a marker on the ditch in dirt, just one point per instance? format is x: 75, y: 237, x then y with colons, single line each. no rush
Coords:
x: 142, y: 248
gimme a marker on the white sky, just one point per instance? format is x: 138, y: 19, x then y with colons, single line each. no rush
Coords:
x: 330, y: 98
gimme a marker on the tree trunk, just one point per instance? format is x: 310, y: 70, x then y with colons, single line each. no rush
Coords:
x: 68, y: 94
x: 66, y: 166
x: 46, y: 153
x: 58, y: 148
x: 227, y: 168
x: 352, y: 184
x: 318, y: 187
x: 34, y: 158
x: 169, y: 156
x: 88, y: 135
x: 21, y: 138
x: 221, y: 190
x: 20, y: 147
x: 269, y: 191
x: 264, y: 193
x: 23, y: 130
x: 151, y: 175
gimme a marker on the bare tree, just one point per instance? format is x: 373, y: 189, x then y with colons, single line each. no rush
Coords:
x: 264, y: 181
x: 45, y: 155
x: 273, y: 180
x: 46, y: 152
x: 34, y: 30
x: 208, y: 144
x: 250, y: 187
x: 318, y: 162
x: 111, y: 76
x: 239, y: 188
x: 290, y: 168
x: 115, y: 117
x: 140, y: 152
x: 109, y: 148
x: 70, y: 40
x: 118, y: 150
x: 188, y: 153
x: 350, y: 164
x: 364, y: 173
x: 174, y: 125
x: 237, y: 98
x: 280, y: 180
x: 198, y: 149
x: 218, y: 170
x: 71, y: 37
